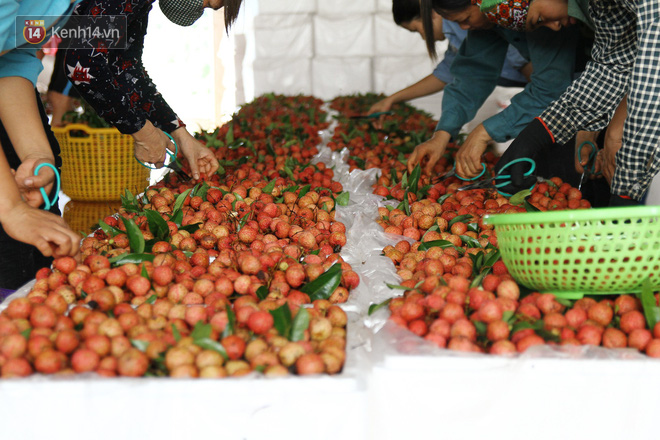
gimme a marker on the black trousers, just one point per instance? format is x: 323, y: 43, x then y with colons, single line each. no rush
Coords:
x: 19, y: 262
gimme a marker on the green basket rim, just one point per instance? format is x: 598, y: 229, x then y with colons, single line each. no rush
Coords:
x: 572, y: 215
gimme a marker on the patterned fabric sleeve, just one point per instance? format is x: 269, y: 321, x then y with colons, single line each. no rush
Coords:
x: 590, y: 102
x: 114, y: 81
x: 638, y: 160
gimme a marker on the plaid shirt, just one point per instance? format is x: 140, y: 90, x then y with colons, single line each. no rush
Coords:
x: 626, y: 55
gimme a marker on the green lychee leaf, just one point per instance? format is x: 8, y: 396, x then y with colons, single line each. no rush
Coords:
x: 262, y: 292
x: 518, y: 198
x: 268, y: 189
x: 210, y: 344
x: 492, y: 258
x: 323, y: 286
x: 140, y: 344
x: 469, y: 241
x: 231, y: 323
x: 529, y: 207
x: 129, y: 202
x: 178, y: 203
x: 203, y: 190
x: 304, y: 190
x: 192, y: 227
x: 431, y: 229
x: 508, y: 316
x: 135, y: 237
x: 26, y: 333
x: 282, y: 320
x: 177, y: 217
x: 393, y: 176
x: 397, y: 287
x: 269, y: 148
x: 122, y: 259
x: 649, y: 304
x: 288, y: 172
x: 111, y: 231
x: 413, y: 182
x: 481, y: 327
x: 441, y: 244
x: 460, y: 218
x: 230, y: 134
x: 343, y: 198
x: 521, y: 325
x: 374, y: 307
x: 201, y: 331
x: 176, y: 333
x: 152, y: 299
x: 564, y: 301
x: 442, y: 199
x: 299, y: 324
x: 406, y: 204
x: 144, y: 273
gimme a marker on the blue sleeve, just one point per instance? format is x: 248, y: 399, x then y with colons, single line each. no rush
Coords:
x: 442, y: 70
x: 512, y: 65
x: 553, y: 57
x: 21, y: 62
x: 475, y: 69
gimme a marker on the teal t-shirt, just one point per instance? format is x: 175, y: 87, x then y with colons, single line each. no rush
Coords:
x: 18, y: 58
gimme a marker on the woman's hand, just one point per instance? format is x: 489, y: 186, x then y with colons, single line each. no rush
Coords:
x: 29, y: 184
x: 608, y: 155
x: 384, y: 105
x: 582, y: 157
x: 200, y: 158
x: 468, y: 157
x: 44, y: 230
x: 150, y: 145
x: 433, y: 149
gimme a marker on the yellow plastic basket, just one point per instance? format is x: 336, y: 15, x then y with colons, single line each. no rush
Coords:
x: 100, y: 165
x: 81, y: 216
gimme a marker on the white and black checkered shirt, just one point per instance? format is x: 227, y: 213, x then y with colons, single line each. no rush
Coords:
x: 626, y: 59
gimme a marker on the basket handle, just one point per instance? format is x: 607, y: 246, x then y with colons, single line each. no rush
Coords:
x: 70, y: 127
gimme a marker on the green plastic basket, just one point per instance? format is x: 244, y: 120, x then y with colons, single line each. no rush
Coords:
x: 590, y: 251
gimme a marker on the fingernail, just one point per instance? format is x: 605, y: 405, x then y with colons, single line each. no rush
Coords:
x: 29, y: 181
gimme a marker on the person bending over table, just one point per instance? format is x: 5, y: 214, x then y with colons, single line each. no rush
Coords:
x: 28, y: 235
x: 619, y: 87
x: 476, y: 69
x: 406, y: 13
x: 115, y: 83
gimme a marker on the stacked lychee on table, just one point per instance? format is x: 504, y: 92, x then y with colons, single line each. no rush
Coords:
x: 240, y: 272
x: 237, y: 273
x: 458, y: 292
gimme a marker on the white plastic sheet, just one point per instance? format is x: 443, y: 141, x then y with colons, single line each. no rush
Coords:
x: 344, y: 36
x: 290, y: 76
x: 346, y: 7
x: 340, y: 76
x: 285, y: 36
x: 390, y: 39
x: 286, y: 6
